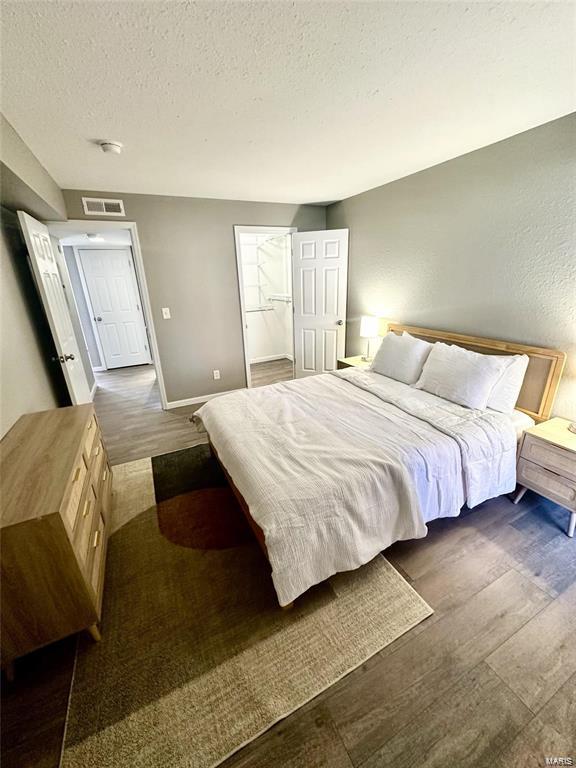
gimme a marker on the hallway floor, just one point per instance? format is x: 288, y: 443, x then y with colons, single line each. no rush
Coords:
x: 133, y: 423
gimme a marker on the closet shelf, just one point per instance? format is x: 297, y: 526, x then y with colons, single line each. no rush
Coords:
x: 262, y: 308
x: 280, y: 297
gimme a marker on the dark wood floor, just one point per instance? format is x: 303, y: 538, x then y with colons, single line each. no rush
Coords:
x: 488, y: 680
x: 271, y: 372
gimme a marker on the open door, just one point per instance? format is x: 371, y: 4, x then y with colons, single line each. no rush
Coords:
x: 49, y: 283
x: 319, y: 286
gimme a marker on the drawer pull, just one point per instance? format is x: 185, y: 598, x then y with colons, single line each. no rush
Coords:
x: 76, y: 475
x: 105, y: 474
x: 97, y: 450
x: 90, y: 424
x: 87, y: 508
x: 96, y: 539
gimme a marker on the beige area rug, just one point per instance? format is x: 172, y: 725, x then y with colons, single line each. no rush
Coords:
x: 197, y: 659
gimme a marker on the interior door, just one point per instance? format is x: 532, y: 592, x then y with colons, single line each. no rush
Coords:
x: 115, y: 299
x: 319, y: 285
x: 49, y: 282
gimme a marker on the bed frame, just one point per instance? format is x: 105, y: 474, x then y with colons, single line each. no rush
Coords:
x: 536, y: 396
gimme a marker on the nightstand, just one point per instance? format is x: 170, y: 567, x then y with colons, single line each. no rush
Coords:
x: 353, y: 362
x: 547, y: 465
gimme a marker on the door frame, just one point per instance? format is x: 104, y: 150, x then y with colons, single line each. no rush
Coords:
x: 261, y: 229
x: 66, y: 228
x: 88, y: 298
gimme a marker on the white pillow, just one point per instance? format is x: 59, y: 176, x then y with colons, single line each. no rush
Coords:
x: 401, y: 357
x: 507, y: 388
x: 460, y: 375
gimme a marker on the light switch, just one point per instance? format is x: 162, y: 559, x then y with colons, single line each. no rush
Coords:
x: 166, y: 313
x: 216, y: 374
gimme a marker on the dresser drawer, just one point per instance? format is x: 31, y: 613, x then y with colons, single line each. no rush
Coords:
x: 71, y: 508
x: 98, y: 545
x: 556, y: 488
x: 106, y: 493
x: 98, y: 466
x: 559, y: 460
x: 90, y: 438
x: 85, y: 526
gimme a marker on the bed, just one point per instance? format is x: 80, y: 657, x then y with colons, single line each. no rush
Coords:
x: 332, y: 469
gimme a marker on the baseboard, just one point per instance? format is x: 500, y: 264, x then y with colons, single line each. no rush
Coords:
x: 99, y: 368
x: 270, y: 358
x: 93, y: 390
x: 195, y: 400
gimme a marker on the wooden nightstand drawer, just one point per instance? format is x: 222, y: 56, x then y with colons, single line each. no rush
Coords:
x: 551, y: 457
x: 553, y: 486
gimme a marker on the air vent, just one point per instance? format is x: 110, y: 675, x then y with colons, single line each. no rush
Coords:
x: 99, y: 206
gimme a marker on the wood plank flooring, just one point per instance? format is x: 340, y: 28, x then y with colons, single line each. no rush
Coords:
x: 488, y: 680
x: 133, y: 423
x: 271, y: 372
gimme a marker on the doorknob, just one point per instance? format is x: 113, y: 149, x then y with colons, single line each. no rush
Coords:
x: 98, y: 319
x: 68, y: 357
x: 339, y: 322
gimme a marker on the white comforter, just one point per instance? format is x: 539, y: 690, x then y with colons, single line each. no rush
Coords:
x: 336, y: 468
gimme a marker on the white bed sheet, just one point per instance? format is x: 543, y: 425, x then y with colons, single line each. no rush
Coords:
x: 336, y: 468
x: 521, y: 422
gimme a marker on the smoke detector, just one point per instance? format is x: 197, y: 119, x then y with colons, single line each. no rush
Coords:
x: 111, y: 146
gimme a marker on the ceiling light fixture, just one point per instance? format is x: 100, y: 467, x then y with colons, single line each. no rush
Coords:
x: 111, y: 146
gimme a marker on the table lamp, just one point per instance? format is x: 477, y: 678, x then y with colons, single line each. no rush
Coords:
x: 369, y: 327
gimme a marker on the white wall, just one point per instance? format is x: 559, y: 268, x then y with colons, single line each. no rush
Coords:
x: 269, y: 331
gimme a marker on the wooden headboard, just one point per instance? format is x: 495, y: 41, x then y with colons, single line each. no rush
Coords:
x: 542, y: 376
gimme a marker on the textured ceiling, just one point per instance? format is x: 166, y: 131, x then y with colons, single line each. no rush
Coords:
x: 278, y: 101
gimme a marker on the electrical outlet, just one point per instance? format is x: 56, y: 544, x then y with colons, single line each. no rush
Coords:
x: 166, y: 313
x: 216, y: 375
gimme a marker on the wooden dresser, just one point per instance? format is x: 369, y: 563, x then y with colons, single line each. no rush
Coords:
x: 56, y: 487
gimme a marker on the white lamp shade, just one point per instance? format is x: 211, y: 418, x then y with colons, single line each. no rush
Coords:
x: 369, y: 326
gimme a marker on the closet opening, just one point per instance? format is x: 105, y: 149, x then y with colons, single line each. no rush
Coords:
x: 264, y: 257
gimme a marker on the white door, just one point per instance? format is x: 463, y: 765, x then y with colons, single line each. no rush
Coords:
x: 116, y: 306
x: 49, y: 282
x: 319, y: 284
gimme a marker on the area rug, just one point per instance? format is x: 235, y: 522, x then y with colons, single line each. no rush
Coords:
x: 196, y: 658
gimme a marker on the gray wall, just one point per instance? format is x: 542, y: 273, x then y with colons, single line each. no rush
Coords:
x: 26, y: 183
x: 82, y: 307
x: 190, y: 264
x: 25, y: 383
x: 484, y: 244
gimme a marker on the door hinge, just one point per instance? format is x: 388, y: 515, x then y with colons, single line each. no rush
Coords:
x: 138, y: 307
x: 146, y: 347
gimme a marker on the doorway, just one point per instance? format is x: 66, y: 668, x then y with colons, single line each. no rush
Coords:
x: 265, y: 282
x: 108, y: 285
x: 293, y: 292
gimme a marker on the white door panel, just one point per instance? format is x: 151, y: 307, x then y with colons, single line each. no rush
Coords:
x: 113, y: 292
x: 320, y: 279
x: 49, y: 282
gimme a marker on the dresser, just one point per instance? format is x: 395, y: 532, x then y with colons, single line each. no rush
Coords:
x: 56, y: 487
x: 547, y: 465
